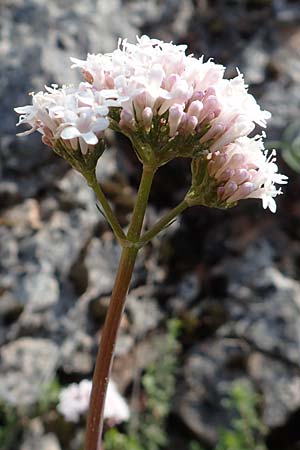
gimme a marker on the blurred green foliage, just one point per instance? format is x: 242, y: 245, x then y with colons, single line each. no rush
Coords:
x: 247, y: 429
x: 12, y: 420
x: 49, y: 398
x: 158, y: 384
x: 10, y: 426
x: 246, y: 433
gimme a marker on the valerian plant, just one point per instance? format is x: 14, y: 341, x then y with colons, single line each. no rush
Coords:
x: 169, y: 105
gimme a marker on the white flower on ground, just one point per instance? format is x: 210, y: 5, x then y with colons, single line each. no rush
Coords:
x: 74, y: 402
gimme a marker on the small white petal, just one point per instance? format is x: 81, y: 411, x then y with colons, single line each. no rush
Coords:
x: 70, y: 133
x: 90, y: 138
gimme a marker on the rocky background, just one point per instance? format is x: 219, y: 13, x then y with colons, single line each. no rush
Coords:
x: 231, y: 276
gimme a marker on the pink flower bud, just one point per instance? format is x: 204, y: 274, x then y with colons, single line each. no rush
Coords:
x: 243, y: 191
x: 215, y: 130
x: 229, y: 189
x: 140, y: 104
x: 147, y: 117
x: 126, y: 120
x: 191, y: 124
x: 225, y: 175
x: 198, y: 95
x: 240, y: 176
x: 195, y: 108
x: 170, y: 81
x: 175, y: 116
x: 210, y: 91
x: 209, y: 105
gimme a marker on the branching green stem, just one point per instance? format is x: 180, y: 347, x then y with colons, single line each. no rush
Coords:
x: 135, y: 227
x: 111, y: 218
x: 115, y: 309
x: 163, y: 222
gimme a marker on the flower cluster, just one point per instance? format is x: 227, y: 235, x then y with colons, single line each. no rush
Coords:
x: 162, y: 89
x: 238, y: 171
x: 170, y: 105
x: 74, y: 402
x: 78, y: 116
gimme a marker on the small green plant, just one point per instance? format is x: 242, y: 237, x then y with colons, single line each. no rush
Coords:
x: 246, y: 432
x: 195, y: 446
x: 158, y: 384
x: 49, y: 397
x: 114, y: 440
x: 12, y: 419
x: 247, y: 429
x: 9, y: 426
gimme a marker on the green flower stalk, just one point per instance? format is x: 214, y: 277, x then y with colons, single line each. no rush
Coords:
x: 169, y: 105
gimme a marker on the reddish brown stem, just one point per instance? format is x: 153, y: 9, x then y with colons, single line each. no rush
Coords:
x: 106, y: 349
x: 114, y: 314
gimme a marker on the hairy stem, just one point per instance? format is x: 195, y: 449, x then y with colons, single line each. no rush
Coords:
x: 114, y: 314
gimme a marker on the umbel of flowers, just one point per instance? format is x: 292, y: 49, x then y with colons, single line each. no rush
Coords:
x: 170, y: 105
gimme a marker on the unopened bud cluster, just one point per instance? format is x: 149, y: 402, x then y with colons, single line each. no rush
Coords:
x: 169, y: 105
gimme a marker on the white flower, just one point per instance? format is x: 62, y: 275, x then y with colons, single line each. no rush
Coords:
x: 115, y: 407
x: 77, y: 116
x: 74, y: 402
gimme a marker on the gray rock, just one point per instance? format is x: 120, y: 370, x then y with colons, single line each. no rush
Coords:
x: 36, y: 439
x: 255, y: 73
x: 8, y: 249
x: 124, y: 344
x: 259, y: 341
x: 9, y: 194
x: 187, y: 291
x: 101, y: 261
x: 59, y: 243
x: 10, y: 307
x: 76, y: 353
x: 27, y: 365
x: 46, y: 442
x: 143, y: 310
x: 38, y: 291
x: 280, y: 385
x: 264, y: 305
x: 210, y: 370
x: 23, y: 218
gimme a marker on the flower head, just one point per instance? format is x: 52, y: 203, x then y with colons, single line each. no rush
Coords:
x: 238, y: 171
x: 74, y: 402
x: 78, y: 116
x: 170, y: 105
x: 178, y: 103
